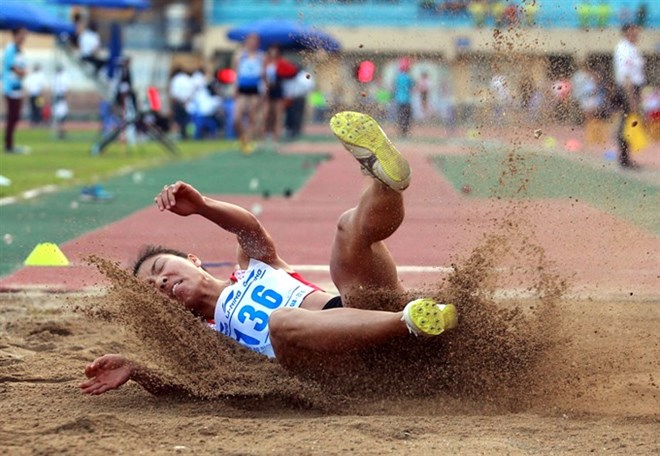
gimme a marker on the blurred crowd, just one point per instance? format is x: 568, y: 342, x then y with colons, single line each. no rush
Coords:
x: 511, y: 13
x: 262, y: 96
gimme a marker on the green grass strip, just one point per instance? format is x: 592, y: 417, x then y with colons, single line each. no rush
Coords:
x: 497, y: 174
x: 73, y: 153
x: 61, y: 216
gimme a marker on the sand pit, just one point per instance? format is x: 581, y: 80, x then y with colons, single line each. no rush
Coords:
x: 518, y: 377
x: 610, y: 406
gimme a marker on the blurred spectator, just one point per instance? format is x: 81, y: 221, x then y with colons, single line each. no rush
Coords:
x: 499, y: 88
x: 561, y: 90
x: 89, y: 44
x: 529, y: 9
x: 584, y: 14
x: 602, y: 13
x: 497, y: 9
x: 295, y: 91
x: 589, y: 94
x: 319, y: 104
x: 277, y: 69
x: 248, y: 63
x: 13, y: 71
x: 60, y: 108
x: 446, y: 104
x: 651, y: 107
x: 423, y: 86
x: 198, y: 78
x: 452, y: 6
x: 642, y: 15
x: 78, y: 28
x: 181, y: 92
x: 125, y: 95
x: 594, y: 15
x: 629, y: 77
x: 511, y: 15
x: 35, y: 85
x: 403, y: 88
x: 205, y: 107
x: 531, y: 98
x: 479, y: 11
x: 383, y: 99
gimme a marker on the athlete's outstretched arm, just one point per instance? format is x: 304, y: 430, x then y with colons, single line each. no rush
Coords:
x: 183, y: 199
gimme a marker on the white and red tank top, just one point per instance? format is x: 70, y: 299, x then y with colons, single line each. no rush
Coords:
x: 244, y: 308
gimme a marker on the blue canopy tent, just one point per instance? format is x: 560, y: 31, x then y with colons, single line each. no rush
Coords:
x: 109, y: 4
x: 286, y: 34
x: 16, y: 14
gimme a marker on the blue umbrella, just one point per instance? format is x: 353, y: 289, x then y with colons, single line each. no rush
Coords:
x: 286, y: 34
x: 109, y: 4
x: 16, y: 14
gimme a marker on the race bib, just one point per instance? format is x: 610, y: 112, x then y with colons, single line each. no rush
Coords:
x: 244, y: 308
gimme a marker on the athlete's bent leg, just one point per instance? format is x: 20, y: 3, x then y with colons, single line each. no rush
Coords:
x: 359, y: 257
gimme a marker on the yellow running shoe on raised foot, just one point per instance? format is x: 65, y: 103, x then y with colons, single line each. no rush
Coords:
x: 366, y: 141
x: 425, y: 317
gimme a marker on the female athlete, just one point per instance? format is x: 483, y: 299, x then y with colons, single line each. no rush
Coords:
x: 269, y: 308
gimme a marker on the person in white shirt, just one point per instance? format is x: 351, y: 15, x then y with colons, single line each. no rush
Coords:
x: 204, y: 106
x: 35, y: 84
x: 629, y: 78
x: 269, y: 308
x: 89, y: 45
x: 60, y: 108
x: 182, y: 90
x: 14, y: 70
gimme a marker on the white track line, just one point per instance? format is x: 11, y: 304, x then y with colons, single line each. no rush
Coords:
x: 326, y: 268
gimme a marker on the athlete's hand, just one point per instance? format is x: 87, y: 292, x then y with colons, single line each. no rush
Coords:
x: 106, y: 373
x: 180, y: 198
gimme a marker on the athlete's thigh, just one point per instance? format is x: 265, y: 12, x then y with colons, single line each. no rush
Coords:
x: 355, y: 267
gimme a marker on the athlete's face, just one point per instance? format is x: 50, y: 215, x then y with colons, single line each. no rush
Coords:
x: 176, y: 277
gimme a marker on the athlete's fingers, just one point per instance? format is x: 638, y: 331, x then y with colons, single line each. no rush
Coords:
x: 91, y: 388
x: 95, y: 389
x: 87, y: 383
x: 159, y: 203
x: 163, y: 199
x: 170, y: 196
x: 90, y: 370
x: 104, y: 387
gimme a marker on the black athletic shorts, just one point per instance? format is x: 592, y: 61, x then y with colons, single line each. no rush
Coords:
x: 250, y: 90
x: 334, y: 303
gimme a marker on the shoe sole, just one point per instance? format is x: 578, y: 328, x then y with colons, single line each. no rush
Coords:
x: 363, y: 138
x: 431, y: 318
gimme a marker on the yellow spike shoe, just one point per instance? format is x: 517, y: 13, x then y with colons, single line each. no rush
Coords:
x: 367, y: 142
x: 425, y: 317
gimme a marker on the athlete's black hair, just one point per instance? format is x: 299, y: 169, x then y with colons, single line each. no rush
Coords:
x: 151, y: 251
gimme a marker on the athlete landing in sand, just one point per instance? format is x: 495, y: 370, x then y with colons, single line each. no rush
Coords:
x: 269, y: 308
